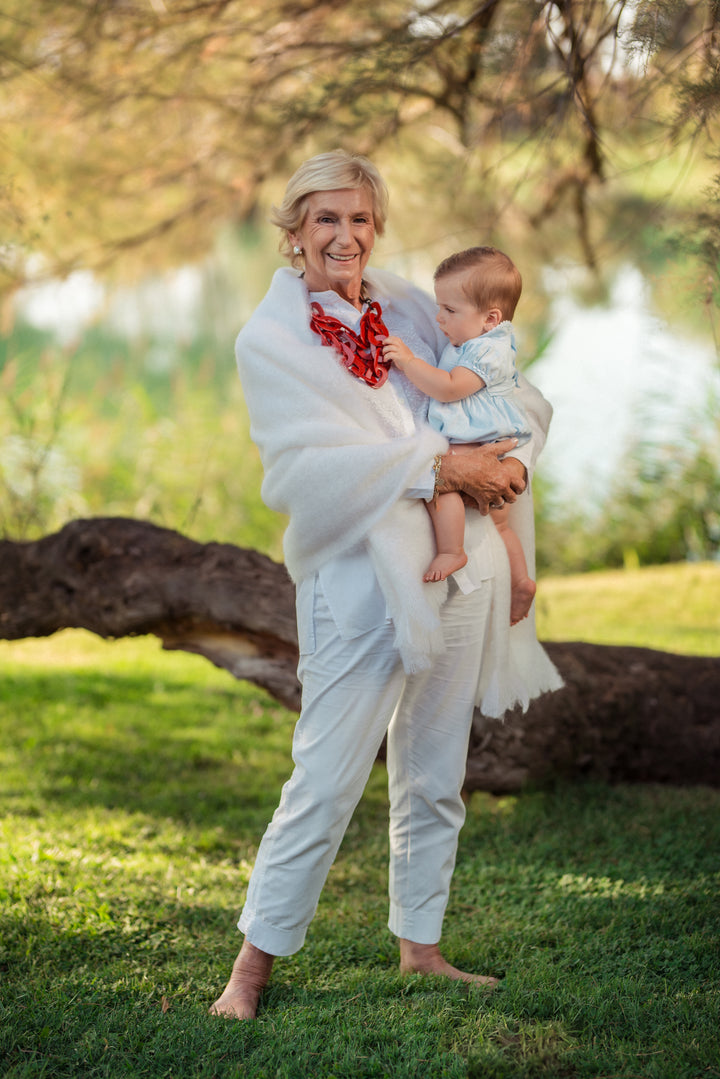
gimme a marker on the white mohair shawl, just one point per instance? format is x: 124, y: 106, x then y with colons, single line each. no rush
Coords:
x: 339, y: 457
x: 515, y: 668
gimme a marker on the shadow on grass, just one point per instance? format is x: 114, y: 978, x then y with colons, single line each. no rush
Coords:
x: 598, y: 903
x: 165, y: 749
x: 146, y: 1015
x: 595, y: 985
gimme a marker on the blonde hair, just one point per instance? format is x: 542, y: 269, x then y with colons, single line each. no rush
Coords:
x: 491, y: 278
x: 333, y: 171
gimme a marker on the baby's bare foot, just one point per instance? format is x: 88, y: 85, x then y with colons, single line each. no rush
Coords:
x: 443, y: 565
x: 521, y: 596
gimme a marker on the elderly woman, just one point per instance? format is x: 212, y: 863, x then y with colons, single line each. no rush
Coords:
x: 347, y: 454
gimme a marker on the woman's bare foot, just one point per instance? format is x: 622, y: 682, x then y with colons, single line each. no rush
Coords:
x: 428, y: 959
x: 443, y: 565
x: 522, y: 594
x: 249, y: 977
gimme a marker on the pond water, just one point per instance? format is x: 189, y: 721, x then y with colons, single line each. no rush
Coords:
x: 614, y: 373
x: 617, y: 374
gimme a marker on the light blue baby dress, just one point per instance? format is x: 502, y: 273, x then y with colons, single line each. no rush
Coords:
x: 492, y: 412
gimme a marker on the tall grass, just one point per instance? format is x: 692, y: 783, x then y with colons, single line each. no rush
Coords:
x: 97, y: 430
x: 134, y: 787
x: 154, y: 428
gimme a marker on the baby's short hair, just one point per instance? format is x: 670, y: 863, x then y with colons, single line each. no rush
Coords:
x: 491, y: 278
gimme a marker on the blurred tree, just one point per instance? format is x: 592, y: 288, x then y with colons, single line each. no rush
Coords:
x: 130, y: 122
x: 662, y: 508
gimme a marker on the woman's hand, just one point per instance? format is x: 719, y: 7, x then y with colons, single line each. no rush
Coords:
x: 476, y: 471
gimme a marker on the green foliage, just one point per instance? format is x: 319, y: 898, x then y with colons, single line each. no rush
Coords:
x: 96, y: 430
x: 662, y: 508
x: 134, y: 787
x: 133, y: 131
x: 155, y: 427
x: 137, y: 136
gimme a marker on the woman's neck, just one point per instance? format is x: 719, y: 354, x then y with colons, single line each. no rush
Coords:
x: 354, y: 294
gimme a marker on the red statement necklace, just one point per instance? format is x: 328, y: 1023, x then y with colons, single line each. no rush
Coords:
x: 361, y: 351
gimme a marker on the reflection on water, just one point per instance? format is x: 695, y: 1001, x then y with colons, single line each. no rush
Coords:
x: 615, y: 375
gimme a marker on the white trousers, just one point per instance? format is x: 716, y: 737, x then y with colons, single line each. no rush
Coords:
x: 354, y: 691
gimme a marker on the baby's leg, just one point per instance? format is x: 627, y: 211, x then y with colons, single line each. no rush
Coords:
x: 522, y: 587
x: 448, y: 518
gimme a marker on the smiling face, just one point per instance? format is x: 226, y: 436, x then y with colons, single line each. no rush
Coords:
x: 458, y: 317
x: 337, y: 236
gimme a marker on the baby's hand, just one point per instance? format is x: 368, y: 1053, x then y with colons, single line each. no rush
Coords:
x: 396, y: 350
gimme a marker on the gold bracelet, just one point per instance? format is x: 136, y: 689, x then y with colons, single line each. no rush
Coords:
x: 436, y: 466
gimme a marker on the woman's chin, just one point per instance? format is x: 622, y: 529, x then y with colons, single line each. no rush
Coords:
x: 344, y: 270
x: 349, y: 284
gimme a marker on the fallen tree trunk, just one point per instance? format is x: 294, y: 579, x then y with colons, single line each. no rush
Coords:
x: 119, y: 577
x: 631, y: 714
x: 624, y: 714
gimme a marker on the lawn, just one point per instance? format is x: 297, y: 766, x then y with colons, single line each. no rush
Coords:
x: 675, y: 608
x: 135, y: 785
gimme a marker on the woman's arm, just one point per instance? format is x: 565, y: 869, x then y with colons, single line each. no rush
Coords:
x: 441, y: 385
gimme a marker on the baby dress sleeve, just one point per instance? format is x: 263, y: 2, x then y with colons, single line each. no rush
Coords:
x: 485, y: 359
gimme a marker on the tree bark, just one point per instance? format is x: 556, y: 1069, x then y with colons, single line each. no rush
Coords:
x: 119, y: 577
x: 630, y: 714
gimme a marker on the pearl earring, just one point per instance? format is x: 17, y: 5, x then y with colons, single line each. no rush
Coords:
x: 297, y: 250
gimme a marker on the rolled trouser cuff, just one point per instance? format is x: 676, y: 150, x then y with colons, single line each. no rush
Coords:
x: 269, y: 938
x: 422, y: 927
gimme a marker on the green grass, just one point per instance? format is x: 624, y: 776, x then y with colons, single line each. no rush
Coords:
x: 674, y: 608
x: 134, y: 787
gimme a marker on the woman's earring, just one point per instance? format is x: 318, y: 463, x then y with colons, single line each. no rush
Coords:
x: 297, y: 250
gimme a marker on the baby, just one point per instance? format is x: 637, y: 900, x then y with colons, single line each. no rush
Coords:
x: 473, y: 393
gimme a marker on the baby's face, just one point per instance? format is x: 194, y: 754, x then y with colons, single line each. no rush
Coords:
x: 457, y: 317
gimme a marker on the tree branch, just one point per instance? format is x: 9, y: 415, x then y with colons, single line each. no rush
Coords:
x: 118, y: 577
